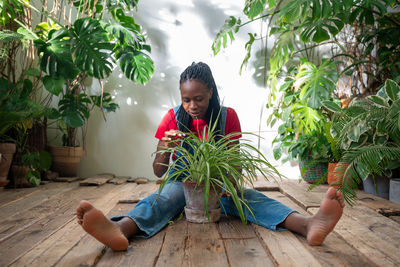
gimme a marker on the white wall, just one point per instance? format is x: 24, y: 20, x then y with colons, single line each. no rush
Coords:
x: 180, y: 32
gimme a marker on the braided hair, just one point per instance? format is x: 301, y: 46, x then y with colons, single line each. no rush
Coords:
x: 200, y: 72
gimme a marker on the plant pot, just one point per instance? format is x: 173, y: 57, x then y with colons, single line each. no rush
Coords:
x: 194, y: 210
x: 331, y: 175
x: 18, y: 173
x: 7, y: 151
x: 65, y: 160
x: 382, y: 186
x: 312, y: 172
x: 394, y: 190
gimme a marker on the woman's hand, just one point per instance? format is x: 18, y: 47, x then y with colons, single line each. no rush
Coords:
x: 172, y: 138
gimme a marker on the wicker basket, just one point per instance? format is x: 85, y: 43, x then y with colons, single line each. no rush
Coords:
x: 313, y: 171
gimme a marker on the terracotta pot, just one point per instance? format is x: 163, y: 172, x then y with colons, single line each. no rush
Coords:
x: 331, y: 175
x: 7, y: 151
x: 65, y: 160
x: 194, y: 210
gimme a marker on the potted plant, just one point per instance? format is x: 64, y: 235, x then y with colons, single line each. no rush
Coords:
x: 73, y: 50
x: 369, y: 134
x: 214, y: 165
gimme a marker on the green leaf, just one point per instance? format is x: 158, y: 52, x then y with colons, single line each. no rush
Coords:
x: 331, y: 106
x: 55, y: 55
x: 91, y: 48
x: 378, y: 100
x: 248, y: 49
x: 316, y: 84
x: 45, y: 160
x: 253, y: 8
x: 53, y: 85
x: 136, y: 65
x: 230, y: 27
x: 392, y: 90
x: 293, y: 10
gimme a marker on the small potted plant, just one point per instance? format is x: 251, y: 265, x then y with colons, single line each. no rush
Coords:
x: 214, y: 165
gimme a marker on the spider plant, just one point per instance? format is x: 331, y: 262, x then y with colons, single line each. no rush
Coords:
x: 369, y: 132
x: 219, y: 163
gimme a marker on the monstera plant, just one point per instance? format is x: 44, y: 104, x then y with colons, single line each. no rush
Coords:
x: 89, y: 46
x: 81, y: 41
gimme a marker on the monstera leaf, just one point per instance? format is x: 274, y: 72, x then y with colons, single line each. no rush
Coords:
x: 91, y: 48
x: 125, y: 33
x: 135, y: 64
x: 316, y: 83
x: 73, y: 109
x: 55, y: 54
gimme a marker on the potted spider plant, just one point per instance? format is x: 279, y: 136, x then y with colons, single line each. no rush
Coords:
x: 217, y: 163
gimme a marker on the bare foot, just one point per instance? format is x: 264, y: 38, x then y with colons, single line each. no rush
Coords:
x: 323, y: 222
x: 97, y: 225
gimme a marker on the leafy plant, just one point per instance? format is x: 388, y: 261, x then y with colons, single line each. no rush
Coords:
x: 71, y: 50
x: 368, y: 131
x: 218, y: 162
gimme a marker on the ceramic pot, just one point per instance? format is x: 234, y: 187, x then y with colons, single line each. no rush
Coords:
x: 394, y: 190
x: 194, y: 210
x: 65, y: 160
x: 382, y: 186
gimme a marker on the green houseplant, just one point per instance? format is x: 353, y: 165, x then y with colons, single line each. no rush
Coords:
x: 84, y: 46
x: 217, y: 164
x: 369, y: 133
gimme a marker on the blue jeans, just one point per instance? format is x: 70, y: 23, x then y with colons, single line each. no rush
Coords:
x: 152, y: 214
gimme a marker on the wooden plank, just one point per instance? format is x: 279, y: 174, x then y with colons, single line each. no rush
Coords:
x: 54, y: 215
x: 11, y: 195
x: 96, y: 181
x: 137, y: 196
x: 335, y: 251
x: 370, y: 236
x: 31, y: 200
x: 141, y: 252
x: 173, y: 249
x: 378, y: 204
x: 204, y: 246
x: 247, y: 252
x: 285, y: 248
x: 89, y: 250
x: 28, y: 211
x: 117, y: 180
x: 67, y: 179
x: 232, y: 227
x: 262, y: 184
x: 298, y: 193
x: 51, y: 250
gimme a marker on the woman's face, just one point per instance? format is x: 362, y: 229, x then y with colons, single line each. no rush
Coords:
x: 195, y: 98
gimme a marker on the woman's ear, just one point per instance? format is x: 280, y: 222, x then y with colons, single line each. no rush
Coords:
x: 211, y: 93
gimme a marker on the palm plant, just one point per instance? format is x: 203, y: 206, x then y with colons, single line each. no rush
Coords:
x: 369, y: 133
x: 219, y: 163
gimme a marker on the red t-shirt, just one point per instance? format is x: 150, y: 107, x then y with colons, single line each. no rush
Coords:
x: 232, y: 124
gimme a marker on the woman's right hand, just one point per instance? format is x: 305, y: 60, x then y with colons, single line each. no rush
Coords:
x: 172, y: 138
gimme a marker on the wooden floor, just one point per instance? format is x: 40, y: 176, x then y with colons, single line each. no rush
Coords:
x: 38, y: 228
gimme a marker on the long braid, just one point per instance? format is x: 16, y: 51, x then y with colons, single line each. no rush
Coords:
x: 200, y: 72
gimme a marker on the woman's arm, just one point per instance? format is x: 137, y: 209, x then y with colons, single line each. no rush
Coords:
x: 171, y: 139
x: 161, y: 161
